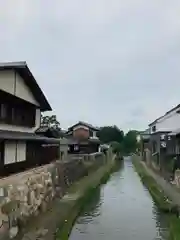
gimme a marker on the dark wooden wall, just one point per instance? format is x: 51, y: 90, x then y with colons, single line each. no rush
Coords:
x: 36, y: 155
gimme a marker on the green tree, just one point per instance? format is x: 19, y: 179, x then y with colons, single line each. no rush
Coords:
x: 108, y: 134
x: 130, y: 141
x: 117, y: 148
x: 51, y: 122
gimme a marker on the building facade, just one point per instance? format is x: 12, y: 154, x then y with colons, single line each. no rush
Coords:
x: 164, y: 139
x: 83, y: 138
x: 21, y: 104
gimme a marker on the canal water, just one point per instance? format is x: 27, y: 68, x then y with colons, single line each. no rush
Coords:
x: 121, y: 209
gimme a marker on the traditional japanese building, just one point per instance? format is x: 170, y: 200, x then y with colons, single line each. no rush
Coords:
x: 83, y: 138
x: 21, y: 104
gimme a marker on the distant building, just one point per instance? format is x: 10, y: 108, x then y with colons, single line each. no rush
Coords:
x: 83, y: 138
x: 163, y: 139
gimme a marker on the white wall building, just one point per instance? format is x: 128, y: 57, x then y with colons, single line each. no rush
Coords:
x: 170, y: 121
x: 21, y: 104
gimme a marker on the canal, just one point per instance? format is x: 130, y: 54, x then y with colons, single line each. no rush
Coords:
x: 121, y: 209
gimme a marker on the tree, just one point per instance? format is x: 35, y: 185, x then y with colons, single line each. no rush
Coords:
x: 130, y: 141
x: 108, y: 134
x: 117, y: 148
x: 120, y: 143
x: 50, y: 121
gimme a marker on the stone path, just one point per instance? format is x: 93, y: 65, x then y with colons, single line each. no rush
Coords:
x: 172, y: 193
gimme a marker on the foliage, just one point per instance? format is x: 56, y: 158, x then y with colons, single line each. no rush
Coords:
x: 130, y: 141
x: 50, y: 121
x: 109, y: 134
x: 157, y: 194
x: 125, y: 143
x: 116, y: 147
x: 161, y: 200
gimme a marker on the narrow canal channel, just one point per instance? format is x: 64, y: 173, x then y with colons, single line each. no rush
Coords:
x: 121, y: 209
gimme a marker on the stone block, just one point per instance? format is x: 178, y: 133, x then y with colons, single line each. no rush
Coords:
x: 13, y: 231
x: 4, y: 231
x: 29, y: 236
x: 3, y: 218
x: 43, y: 206
x: 41, y: 232
x: 22, y: 221
x: 10, y: 206
x: 31, y: 197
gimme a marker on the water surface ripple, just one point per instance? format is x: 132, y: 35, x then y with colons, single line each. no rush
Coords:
x: 121, y: 209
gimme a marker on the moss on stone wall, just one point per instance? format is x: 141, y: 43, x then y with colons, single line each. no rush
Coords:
x: 84, y: 189
x: 157, y: 194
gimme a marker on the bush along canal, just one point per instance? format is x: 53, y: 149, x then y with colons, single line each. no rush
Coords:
x: 164, y: 204
x: 122, y: 208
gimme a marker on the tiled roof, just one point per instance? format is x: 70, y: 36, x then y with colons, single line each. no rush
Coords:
x: 13, y: 135
x: 84, y: 124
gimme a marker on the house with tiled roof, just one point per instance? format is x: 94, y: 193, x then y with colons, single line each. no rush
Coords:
x: 21, y: 103
x: 83, y: 138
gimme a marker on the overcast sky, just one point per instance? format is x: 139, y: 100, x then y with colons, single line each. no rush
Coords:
x: 101, y: 61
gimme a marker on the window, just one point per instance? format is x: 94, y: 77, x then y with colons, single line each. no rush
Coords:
x: 162, y: 137
x: 18, y: 115
x: 153, y: 128
x: 3, y: 111
x: 25, y: 117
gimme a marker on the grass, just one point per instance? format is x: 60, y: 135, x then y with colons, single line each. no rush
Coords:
x: 160, y: 199
x: 174, y: 225
x: 66, y: 227
x: 156, y: 192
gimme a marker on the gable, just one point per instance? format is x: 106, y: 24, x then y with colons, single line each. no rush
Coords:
x: 23, y: 91
x: 11, y: 82
x: 80, y: 126
x: 84, y: 125
x: 22, y: 70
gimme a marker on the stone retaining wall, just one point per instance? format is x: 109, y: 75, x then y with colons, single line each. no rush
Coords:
x: 27, y: 194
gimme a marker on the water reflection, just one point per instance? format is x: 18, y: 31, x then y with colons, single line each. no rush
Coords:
x: 121, y: 209
x: 92, y: 209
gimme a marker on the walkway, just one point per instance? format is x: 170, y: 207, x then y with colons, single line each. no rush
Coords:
x: 172, y: 193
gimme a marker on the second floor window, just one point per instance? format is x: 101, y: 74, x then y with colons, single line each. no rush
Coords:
x: 154, y: 129
x: 19, y: 116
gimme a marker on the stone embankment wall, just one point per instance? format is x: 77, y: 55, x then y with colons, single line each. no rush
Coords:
x: 28, y: 194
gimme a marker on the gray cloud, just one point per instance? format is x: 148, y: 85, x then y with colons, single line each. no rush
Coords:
x: 105, y: 62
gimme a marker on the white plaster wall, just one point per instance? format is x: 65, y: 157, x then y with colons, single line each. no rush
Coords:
x: 7, y: 81
x: 21, y: 151
x: 17, y: 88
x: 168, y: 122
x: 94, y: 134
x: 9, y: 152
x: 23, y: 91
x: 14, y: 151
x: 37, y: 119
